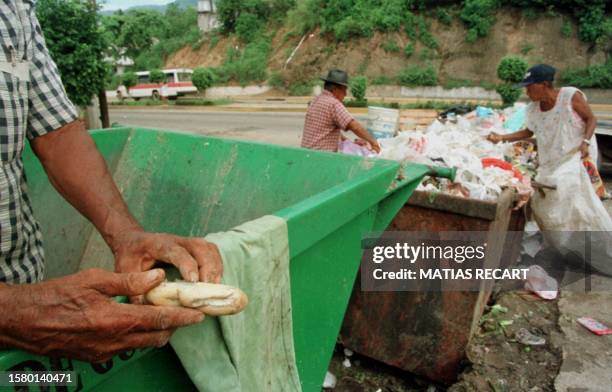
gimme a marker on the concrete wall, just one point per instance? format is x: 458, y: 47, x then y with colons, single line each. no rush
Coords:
x: 461, y: 93
x: 232, y: 91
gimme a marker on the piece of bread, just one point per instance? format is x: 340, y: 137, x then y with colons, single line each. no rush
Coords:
x: 211, y: 299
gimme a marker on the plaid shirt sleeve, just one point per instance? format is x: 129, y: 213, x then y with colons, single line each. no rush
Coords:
x: 342, y: 117
x: 48, y: 105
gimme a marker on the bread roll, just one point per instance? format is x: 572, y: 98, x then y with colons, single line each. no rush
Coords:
x: 211, y: 299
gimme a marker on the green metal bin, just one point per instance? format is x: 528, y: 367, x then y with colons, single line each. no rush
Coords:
x: 192, y: 185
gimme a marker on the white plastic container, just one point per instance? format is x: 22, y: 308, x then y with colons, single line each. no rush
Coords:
x: 382, y: 122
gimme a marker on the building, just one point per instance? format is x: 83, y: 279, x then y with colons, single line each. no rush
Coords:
x: 207, y: 15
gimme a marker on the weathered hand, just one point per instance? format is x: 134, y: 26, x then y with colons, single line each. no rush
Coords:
x: 374, y: 146
x: 76, y: 317
x: 494, y: 138
x: 584, y: 150
x: 196, y: 258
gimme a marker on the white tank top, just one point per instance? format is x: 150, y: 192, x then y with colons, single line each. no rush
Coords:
x: 559, y: 131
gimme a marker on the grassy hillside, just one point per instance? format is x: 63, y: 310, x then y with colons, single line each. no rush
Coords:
x: 418, y: 42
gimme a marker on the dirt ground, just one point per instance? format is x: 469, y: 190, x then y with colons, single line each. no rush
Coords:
x: 495, y: 360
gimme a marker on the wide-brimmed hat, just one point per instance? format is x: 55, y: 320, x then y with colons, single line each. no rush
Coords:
x: 337, y: 76
x: 538, y: 74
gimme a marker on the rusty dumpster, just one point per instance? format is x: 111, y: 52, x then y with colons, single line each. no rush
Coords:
x: 426, y: 333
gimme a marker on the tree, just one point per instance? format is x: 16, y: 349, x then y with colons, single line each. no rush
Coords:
x: 139, y: 31
x: 76, y: 45
x: 202, y: 79
x: 511, y: 70
x: 129, y: 79
x: 359, y: 85
x: 157, y: 76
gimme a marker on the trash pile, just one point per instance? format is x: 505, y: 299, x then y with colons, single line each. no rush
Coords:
x: 483, y: 168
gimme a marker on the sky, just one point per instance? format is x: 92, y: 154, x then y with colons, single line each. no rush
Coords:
x: 110, y: 5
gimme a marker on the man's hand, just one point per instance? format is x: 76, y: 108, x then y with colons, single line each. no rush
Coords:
x: 584, y: 150
x: 76, y: 317
x: 196, y: 258
x: 374, y: 147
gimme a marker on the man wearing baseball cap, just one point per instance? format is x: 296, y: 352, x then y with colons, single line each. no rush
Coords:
x: 564, y: 124
x: 327, y: 117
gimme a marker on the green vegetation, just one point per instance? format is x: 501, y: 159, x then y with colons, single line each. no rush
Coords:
x: 409, y: 50
x: 178, y: 102
x: 383, y: 79
x: 302, y: 88
x: 414, y: 76
x: 526, y: 48
x: 508, y: 93
x: 595, y: 76
x: 566, y: 30
x: 77, y: 46
x: 359, y: 86
x: 156, y: 76
x: 148, y: 36
x: 444, y: 16
x: 277, y: 81
x: 390, y: 46
x: 511, y: 70
x: 202, y: 79
x: 246, y: 65
x: 129, y: 79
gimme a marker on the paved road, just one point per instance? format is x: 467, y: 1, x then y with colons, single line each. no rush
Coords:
x: 278, y: 127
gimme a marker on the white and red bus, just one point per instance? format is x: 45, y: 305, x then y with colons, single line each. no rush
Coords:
x: 177, y: 82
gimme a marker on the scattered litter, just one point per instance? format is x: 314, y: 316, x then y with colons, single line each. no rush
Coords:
x: 540, y: 283
x: 432, y: 388
x: 329, y: 381
x: 348, y: 353
x: 505, y: 323
x: 595, y: 326
x: 497, y: 308
x: 525, y: 337
x: 352, y: 148
x: 346, y: 363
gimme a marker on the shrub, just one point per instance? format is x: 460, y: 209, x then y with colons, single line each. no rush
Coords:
x: 595, y: 76
x: 526, y: 48
x: 276, y: 80
x: 511, y: 69
x: 157, y: 76
x: 300, y: 89
x: 409, y: 50
x: 359, y: 85
x: 248, y: 65
x: 129, y: 79
x: 418, y: 76
x: 383, y: 79
x: 444, y: 16
x: 248, y: 26
x: 509, y: 94
x: 202, y: 79
x: 566, y: 30
x: 478, y: 16
x: 390, y: 46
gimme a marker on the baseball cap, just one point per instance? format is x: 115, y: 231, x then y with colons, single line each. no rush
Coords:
x: 538, y: 74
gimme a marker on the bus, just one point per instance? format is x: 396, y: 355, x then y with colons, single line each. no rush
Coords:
x: 177, y: 82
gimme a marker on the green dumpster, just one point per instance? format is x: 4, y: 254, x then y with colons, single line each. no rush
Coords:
x: 193, y: 185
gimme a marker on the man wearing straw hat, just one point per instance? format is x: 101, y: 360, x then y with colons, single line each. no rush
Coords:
x: 327, y: 117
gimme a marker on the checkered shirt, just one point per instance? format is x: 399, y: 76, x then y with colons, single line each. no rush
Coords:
x: 325, y: 118
x: 32, y: 102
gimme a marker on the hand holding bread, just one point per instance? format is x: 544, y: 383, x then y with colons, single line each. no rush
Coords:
x: 209, y: 298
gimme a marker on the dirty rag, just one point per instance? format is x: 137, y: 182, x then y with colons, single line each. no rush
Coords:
x: 252, y: 350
